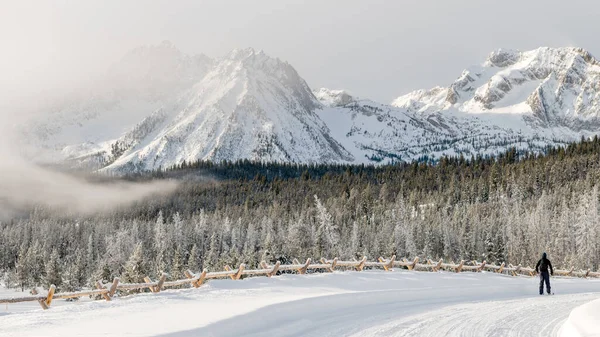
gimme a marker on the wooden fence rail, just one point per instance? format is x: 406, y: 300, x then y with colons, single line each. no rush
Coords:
x: 107, y: 291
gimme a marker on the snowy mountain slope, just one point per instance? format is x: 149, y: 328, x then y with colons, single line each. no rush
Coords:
x: 333, y: 98
x: 550, y: 86
x: 143, y: 81
x: 163, y: 108
x: 380, y: 133
x: 529, y: 100
x: 370, y: 303
x: 249, y: 106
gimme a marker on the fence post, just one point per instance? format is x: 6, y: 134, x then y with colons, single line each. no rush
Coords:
x: 334, y: 263
x: 274, y: 270
x: 240, y: 270
x: 148, y: 280
x: 438, y: 265
x: 113, y: 287
x: 571, y: 271
x: 414, y: 264
x: 518, y: 269
x: 501, y: 268
x: 587, y: 273
x: 388, y: 266
x: 161, y: 281
x: 202, y: 277
x: 361, y: 265
x: 303, y: 269
x: 99, y: 285
x: 460, y: 265
x: 480, y: 269
x: 189, y: 275
x: 50, y: 295
x: 228, y: 268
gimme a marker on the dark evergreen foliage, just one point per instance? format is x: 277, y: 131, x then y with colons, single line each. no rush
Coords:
x: 508, y: 208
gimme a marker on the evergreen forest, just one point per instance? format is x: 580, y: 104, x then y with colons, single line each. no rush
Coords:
x: 509, y: 208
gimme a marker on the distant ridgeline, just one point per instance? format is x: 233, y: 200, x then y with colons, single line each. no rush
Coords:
x: 510, y: 208
x: 251, y: 170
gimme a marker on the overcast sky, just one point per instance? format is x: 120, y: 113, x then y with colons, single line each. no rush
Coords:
x: 376, y: 49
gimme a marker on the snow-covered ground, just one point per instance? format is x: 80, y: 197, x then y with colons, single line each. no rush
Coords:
x: 370, y: 303
x: 584, y: 321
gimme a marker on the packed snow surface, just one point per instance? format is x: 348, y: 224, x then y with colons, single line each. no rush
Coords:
x: 584, y: 321
x: 370, y: 303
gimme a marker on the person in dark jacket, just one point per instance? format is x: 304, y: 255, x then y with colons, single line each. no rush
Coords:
x: 542, y: 268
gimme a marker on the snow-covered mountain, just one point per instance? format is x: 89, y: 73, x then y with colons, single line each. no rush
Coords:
x: 333, y: 98
x: 248, y: 106
x: 551, y: 86
x: 163, y: 107
x: 529, y: 100
x: 146, y: 79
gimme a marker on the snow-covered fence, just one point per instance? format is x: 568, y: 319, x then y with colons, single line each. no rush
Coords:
x: 108, y: 291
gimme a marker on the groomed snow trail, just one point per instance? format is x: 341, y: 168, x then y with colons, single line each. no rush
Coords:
x: 415, y: 311
x: 534, y: 317
x: 370, y: 303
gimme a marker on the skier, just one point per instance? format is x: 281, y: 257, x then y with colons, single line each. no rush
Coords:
x: 542, y: 268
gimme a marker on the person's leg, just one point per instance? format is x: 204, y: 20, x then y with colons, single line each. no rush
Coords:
x: 547, y: 277
x: 541, y: 283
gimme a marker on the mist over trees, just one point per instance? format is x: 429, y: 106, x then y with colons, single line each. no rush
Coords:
x: 507, y: 209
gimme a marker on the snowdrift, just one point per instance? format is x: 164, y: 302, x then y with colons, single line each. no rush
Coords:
x: 584, y: 321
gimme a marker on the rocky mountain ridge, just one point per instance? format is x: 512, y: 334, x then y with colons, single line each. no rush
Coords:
x: 164, y: 107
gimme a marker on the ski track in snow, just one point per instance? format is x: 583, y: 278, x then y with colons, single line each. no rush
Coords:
x: 375, y: 314
x: 371, y: 303
x: 533, y: 317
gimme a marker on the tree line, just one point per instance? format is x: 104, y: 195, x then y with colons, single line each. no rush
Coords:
x: 509, y: 208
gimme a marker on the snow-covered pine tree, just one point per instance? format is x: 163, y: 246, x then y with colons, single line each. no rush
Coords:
x: 194, y: 263
x: 160, y: 245
x: 327, y: 235
x: 136, y: 267
x: 211, y: 261
x: 53, y: 272
x: 177, y: 266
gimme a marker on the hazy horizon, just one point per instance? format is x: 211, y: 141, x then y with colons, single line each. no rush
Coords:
x: 378, y: 49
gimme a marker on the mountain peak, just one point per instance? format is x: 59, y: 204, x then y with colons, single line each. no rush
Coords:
x: 503, y: 57
x: 547, y: 83
x: 249, y: 54
x: 333, y: 98
x: 248, y: 106
x: 170, y: 107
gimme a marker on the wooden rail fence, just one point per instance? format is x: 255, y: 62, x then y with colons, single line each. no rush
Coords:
x: 108, y: 291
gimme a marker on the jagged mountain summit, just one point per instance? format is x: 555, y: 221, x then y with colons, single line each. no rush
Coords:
x: 249, y: 106
x: 245, y: 105
x: 333, y: 98
x: 164, y: 107
x: 550, y: 86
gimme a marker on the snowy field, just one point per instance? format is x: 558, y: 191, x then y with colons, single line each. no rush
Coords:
x: 370, y: 303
